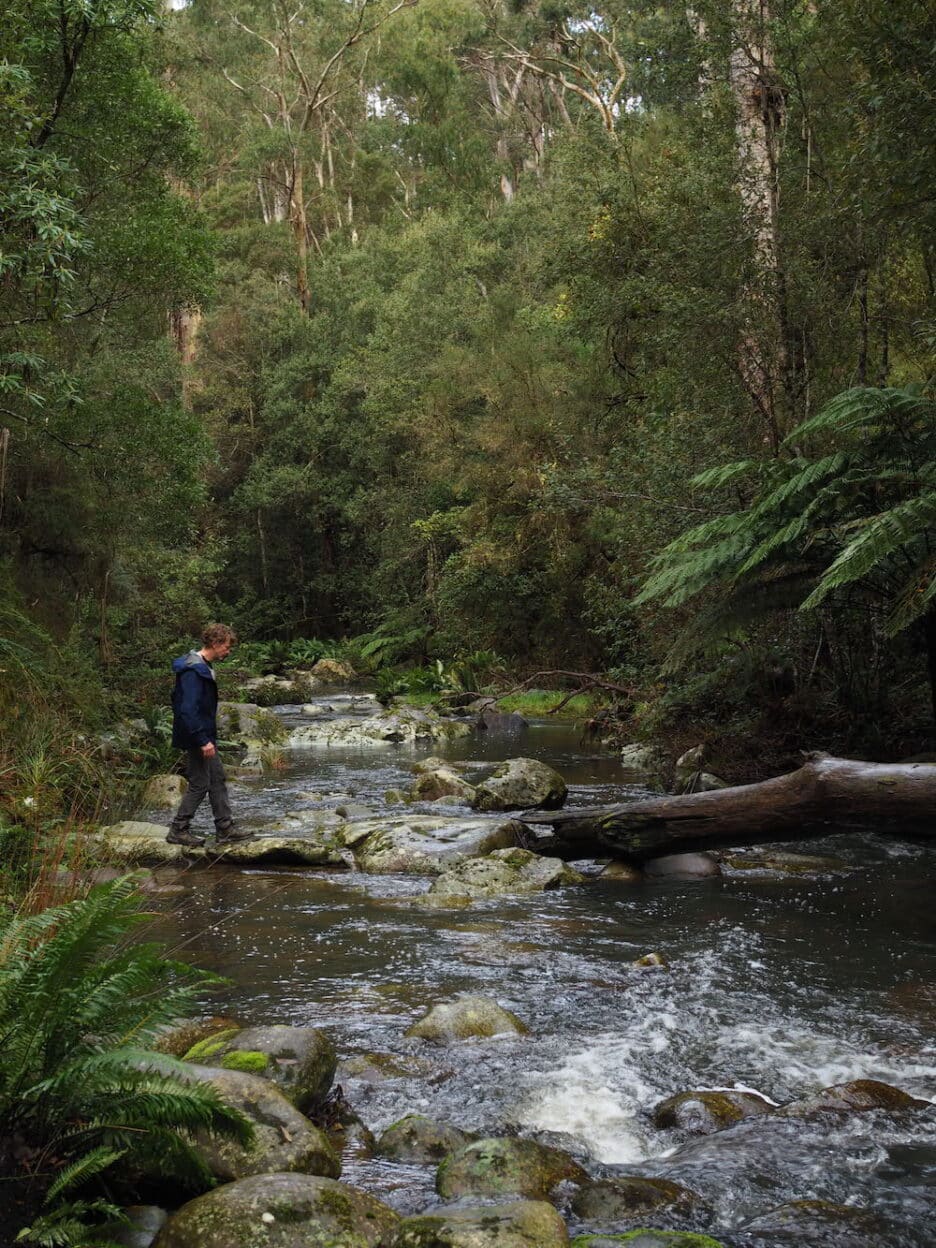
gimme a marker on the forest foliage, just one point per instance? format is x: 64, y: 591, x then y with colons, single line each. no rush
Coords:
x: 442, y: 318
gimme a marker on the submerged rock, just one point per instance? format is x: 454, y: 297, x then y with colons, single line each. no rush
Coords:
x: 647, y: 1238
x: 416, y: 1138
x: 503, y: 872
x: 284, y: 1140
x: 510, y: 1224
x: 281, y: 1211
x: 404, y: 726
x: 701, y: 1113
x: 808, y: 1221
x: 464, y: 1017
x: 782, y: 861
x: 301, y: 1061
x: 427, y: 844
x: 627, y: 1197
x: 682, y: 867
x: 522, y: 784
x: 506, y: 1167
x: 858, y: 1096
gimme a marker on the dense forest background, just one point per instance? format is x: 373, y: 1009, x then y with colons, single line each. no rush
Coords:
x: 591, y: 336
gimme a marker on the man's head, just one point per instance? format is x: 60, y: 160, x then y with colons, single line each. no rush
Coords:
x: 218, y: 641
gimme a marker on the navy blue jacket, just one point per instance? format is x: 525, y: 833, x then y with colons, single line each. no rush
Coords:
x: 194, y: 702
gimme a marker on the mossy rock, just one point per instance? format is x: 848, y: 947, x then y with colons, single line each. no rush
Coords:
x: 442, y: 784
x: 521, y: 784
x: 858, y: 1096
x: 645, y: 1237
x: 506, y: 1167
x: 416, y: 1138
x: 511, y: 1224
x: 301, y: 1061
x: 284, y: 1140
x: 701, y: 1113
x: 178, y: 1041
x: 629, y: 1197
x: 464, y: 1017
x: 281, y: 1211
x: 503, y: 872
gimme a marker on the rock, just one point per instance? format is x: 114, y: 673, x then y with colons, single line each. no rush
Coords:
x: 164, y: 792
x: 177, y: 1041
x: 701, y: 1113
x: 466, y: 1016
x: 503, y: 872
x: 284, y: 1139
x: 406, y: 725
x: 506, y: 1167
x: 281, y: 1211
x: 701, y: 782
x: 504, y: 722
x: 416, y: 1138
x: 245, y: 721
x: 522, y: 784
x: 858, y: 1096
x: 334, y: 672
x: 628, y: 1197
x: 623, y: 871
x: 301, y: 1061
x: 133, y: 842
x: 647, y: 1238
x: 817, y: 1221
x: 644, y: 764
x: 285, y: 850
x: 442, y: 782
x: 510, y: 1224
x: 682, y: 867
x: 434, y: 764
x: 377, y: 1067
x: 782, y: 861
x: 144, y: 1222
x: 427, y: 844
x: 651, y: 962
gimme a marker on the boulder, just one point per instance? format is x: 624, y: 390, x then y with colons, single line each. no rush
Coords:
x: 506, y: 1167
x: 442, y: 783
x: 427, y: 844
x: 281, y: 1211
x: 816, y: 1221
x: 144, y: 1222
x: 701, y: 782
x: 466, y: 1016
x: 133, y: 843
x: 301, y: 1061
x: 629, y: 1197
x: 782, y: 861
x: 416, y: 1138
x: 406, y: 726
x: 503, y: 872
x: 510, y: 1224
x: 164, y: 792
x: 626, y: 872
x: 284, y: 1139
x: 651, y: 962
x: 177, y: 1041
x: 522, y: 784
x: 644, y: 764
x: 284, y: 850
x: 246, y: 721
x: 858, y: 1096
x: 701, y: 1113
x: 504, y: 722
x: 682, y: 867
x: 334, y: 672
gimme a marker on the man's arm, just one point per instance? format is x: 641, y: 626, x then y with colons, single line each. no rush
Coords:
x: 190, y: 687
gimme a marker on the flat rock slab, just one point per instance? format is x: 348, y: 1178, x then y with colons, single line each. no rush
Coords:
x: 426, y: 844
x: 309, y: 850
x: 503, y: 872
x: 134, y: 842
x: 510, y: 1224
x: 498, y: 1167
x: 281, y: 1211
x: 284, y: 1139
x: 406, y: 727
x: 464, y: 1017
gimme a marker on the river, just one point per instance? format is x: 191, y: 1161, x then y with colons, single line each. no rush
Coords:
x: 779, y: 984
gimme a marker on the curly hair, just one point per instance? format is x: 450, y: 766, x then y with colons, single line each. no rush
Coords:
x: 217, y: 635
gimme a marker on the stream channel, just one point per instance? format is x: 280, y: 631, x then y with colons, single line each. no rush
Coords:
x: 779, y: 984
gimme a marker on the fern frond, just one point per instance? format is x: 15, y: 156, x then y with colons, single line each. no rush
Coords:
x: 87, y: 1167
x: 808, y: 474
x: 864, y: 407
x: 723, y: 474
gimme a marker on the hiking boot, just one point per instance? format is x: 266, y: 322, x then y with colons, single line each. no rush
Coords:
x: 232, y: 835
x: 182, y: 836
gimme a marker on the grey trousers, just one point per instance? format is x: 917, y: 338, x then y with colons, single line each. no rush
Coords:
x: 205, y: 776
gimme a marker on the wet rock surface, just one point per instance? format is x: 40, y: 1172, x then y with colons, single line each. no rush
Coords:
x: 522, y: 784
x: 506, y: 1167
x: 465, y: 1017
x: 426, y: 844
x: 508, y: 1224
x: 281, y: 1211
x: 703, y: 1112
x: 858, y: 1096
x: 505, y: 871
x: 626, y: 1198
x: 301, y: 1061
x: 418, y: 1139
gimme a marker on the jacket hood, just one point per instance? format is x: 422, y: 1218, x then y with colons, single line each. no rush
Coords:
x: 192, y: 661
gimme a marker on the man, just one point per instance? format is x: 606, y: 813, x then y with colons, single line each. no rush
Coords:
x: 195, y: 730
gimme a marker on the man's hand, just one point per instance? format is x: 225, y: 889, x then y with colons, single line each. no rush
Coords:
x: 208, y: 751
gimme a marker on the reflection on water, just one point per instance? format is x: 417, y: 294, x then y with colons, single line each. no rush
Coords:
x: 778, y: 985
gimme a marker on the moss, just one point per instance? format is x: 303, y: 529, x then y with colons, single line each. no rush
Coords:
x: 210, y: 1045
x: 251, y: 1060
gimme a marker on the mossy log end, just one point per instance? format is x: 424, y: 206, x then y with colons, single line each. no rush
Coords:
x: 825, y: 795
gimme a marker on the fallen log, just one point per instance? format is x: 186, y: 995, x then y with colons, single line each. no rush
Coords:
x: 825, y: 795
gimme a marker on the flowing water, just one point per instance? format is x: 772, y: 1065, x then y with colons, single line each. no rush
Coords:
x: 782, y: 985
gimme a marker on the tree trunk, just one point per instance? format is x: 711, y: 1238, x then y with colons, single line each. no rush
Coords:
x: 824, y: 796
